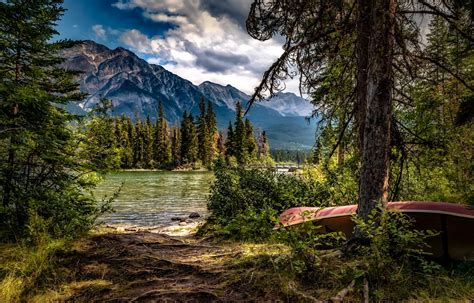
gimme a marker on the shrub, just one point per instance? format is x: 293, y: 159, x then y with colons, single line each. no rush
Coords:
x: 246, y: 203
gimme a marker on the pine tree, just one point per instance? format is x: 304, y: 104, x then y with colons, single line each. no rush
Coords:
x: 221, y: 143
x: 213, y: 132
x: 378, y: 33
x: 39, y: 171
x: 162, y: 148
x: 130, y: 129
x: 263, y: 146
x: 138, y: 145
x: 148, y: 143
x: 230, y: 141
x: 189, y: 141
x: 204, y: 141
x: 250, y: 145
x: 239, y: 138
x: 123, y: 141
x: 101, y: 146
x: 176, y: 146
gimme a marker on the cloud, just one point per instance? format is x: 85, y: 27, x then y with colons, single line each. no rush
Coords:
x: 137, y: 41
x: 207, y: 41
x: 100, y: 31
x: 236, y: 10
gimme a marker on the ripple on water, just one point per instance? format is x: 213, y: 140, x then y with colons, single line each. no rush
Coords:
x: 153, y: 198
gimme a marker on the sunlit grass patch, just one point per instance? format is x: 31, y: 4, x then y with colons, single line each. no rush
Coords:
x: 22, y: 268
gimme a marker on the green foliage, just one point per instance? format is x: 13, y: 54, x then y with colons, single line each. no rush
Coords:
x: 242, y: 144
x: 189, y: 141
x: 98, y: 144
x: 435, y: 155
x: 290, y: 156
x: 108, y: 142
x: 240, y: 196
x: 207, y: 133
x: 41, y: 175
x: 393, y: 264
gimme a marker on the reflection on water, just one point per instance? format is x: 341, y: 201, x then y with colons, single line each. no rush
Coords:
x: 153, y: 198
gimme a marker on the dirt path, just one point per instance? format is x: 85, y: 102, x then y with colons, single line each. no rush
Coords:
x: 147, y: 267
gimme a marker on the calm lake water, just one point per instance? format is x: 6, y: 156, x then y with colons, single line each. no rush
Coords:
x: 153, y: 198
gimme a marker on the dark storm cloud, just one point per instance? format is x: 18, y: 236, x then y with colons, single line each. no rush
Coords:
x: 236, y: 10
x: 215, y: 61
x: 220, y: 62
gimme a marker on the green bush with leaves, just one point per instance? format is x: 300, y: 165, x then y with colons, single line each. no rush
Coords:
x: 246, y: 203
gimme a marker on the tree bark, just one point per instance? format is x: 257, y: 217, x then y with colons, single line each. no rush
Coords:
x: 364, y: 28
x: 373, y: 183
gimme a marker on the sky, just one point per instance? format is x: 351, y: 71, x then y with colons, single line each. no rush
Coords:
x: 199, y: 40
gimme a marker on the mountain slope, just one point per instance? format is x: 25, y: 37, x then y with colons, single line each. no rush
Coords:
x: 135, y: 88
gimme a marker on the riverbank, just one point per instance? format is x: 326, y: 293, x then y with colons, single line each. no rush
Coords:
x: 188, y: 229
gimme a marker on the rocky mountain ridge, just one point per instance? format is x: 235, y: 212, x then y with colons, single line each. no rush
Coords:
x: 135, y: 88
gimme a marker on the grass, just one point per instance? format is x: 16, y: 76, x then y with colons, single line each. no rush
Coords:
x: 39, y: 274
x: 273, y: 268
x: 23, y: 268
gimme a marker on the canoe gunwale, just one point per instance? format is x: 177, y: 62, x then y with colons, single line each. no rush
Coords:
x: 286, y: 219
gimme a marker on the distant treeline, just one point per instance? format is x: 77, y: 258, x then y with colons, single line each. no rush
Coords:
x: 295, y: 156
x: 118, y: 142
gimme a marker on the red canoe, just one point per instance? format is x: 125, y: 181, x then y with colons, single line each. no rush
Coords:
x: 455, y: 222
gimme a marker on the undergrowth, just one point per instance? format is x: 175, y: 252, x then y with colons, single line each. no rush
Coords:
x: 392, y: 264
x: 24, y: 268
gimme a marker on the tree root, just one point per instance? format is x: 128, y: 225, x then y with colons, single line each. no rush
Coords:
x: 156, y: 292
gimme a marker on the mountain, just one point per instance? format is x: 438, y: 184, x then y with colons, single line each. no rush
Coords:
x: 135, y: 88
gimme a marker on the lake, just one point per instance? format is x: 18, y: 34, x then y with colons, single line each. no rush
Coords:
x: 152, y: 198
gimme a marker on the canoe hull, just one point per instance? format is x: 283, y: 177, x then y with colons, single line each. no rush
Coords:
x: 454, y: 222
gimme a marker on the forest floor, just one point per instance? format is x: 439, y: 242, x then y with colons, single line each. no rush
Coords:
x: 115, y: 265
x: 152, y: 267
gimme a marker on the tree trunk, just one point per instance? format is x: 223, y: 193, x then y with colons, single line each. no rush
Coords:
x: 373, y: 183
x: 364, y: 31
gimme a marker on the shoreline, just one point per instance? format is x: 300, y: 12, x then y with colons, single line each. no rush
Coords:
x: 160, y: 170
x: 177, y: 230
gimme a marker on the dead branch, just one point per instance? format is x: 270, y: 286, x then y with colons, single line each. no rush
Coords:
x: 343, y: 293
x: 302, y: 295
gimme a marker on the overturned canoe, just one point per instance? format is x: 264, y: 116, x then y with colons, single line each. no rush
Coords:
x: 455, y: 222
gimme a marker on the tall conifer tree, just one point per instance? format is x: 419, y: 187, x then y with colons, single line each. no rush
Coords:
x: 39, y: 172
x: 250, y: 145
x: 189, y: 142
x: 203, y: 134
x: 162, y: 148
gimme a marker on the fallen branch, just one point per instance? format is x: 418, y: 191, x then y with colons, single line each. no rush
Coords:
x: 366, y: 291
x: 301, y: 294
x: 340, y: 295
x: 333, y: 254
